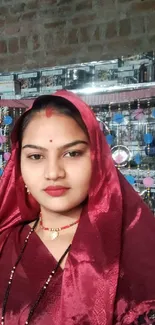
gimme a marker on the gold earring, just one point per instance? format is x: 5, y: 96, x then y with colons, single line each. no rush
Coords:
x: 27, y: 190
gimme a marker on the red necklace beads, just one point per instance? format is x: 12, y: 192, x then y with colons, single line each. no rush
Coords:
x: 55, y: 231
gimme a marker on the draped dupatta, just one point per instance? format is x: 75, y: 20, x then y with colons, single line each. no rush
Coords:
x: 110, y: 272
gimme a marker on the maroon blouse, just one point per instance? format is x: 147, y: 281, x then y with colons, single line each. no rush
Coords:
x: 31, y: 273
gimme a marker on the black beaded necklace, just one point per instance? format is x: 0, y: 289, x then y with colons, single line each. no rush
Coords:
x: 43, y: 289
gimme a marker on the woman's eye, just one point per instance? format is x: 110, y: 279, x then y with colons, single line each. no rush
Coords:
x: 73, y: 154
x: 36, y: 157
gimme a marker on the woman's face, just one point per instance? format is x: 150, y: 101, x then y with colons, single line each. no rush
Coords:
x: 55, y: 161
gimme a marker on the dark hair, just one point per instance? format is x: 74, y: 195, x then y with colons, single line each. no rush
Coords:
x: 58, y: 104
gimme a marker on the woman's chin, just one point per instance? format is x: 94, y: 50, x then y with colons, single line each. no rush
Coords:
x: 57, y: 208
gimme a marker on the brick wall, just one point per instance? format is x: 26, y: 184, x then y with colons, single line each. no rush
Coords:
x: 41, y: 33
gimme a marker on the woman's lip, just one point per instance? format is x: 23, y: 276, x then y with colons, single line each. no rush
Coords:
x: 56, y: 192
x: 55, y: 188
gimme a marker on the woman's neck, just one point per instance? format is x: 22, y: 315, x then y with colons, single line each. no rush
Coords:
x: 53, y: 219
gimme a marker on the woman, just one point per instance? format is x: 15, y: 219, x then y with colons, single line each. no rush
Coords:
x: 77, y: 243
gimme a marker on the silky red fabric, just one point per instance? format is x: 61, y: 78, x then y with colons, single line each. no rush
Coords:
x: 109, y: 277
x: 29, y: 279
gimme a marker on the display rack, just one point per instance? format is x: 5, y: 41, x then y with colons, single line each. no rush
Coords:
x: 124, y: 107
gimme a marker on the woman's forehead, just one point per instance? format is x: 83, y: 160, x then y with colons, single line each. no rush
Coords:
x: 55, y: 127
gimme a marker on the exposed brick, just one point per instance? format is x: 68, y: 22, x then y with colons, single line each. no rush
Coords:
x: 38, y: 55
x: 151, y: 22
x: 12, y: 29
x: 18, y: 61
x: 13, y: 45
x: 124, y: 27
x: 3, y: 47
x: 55, y: 12
x: 143, y: 6
x: 83, y: 19
x: 51, y: 2
x: 152, y: 41
x: 27, y: 28
x: 84, y: 5
x: 60, y: 37
x: 104, y: 4
x: 55, y: 39
x: 63, y: 2
x: 55, y: 24
x: 96, y: 34
x: 18, y: 58
x: 138, y: 25
x: 48, y: 62
x: 11, y: 19
x: 4, y: 63
x: 33, y: 4
x: 32, y: 64
x: 72, y: 36
x: 95, y: 48
x: 4, y: 10
x: 64, y: 11
x: 106, y: 15
x: 111, y: 30
x: 127, y: 46
x: 17, y: 8
x: 2, y: 22
x: 89, y: 33
x: 48, y: 32
x: 84, y: 35
x: 36, y: 42
x: 23, y: 42
x: 48, y: 13
x: 125, y: 1
x: 62, y: 51
x: 29, y: 15
x: 48, y: 40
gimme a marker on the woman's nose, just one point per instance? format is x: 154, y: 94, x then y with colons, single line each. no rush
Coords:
x: 54, y: 169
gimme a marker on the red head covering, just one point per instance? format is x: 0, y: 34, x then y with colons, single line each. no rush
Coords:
x: 110, y: 272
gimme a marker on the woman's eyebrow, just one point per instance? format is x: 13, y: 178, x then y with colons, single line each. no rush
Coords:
x: 65, y: 146
x: 74, y: 143
x: 33, y: 146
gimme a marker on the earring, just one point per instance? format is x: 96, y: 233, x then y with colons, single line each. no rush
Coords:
x: 27, y: 190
